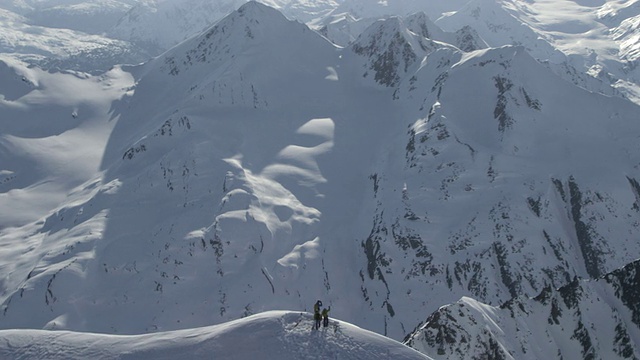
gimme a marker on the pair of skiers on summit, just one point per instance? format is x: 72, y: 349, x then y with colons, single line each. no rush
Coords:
x: 317, y: 315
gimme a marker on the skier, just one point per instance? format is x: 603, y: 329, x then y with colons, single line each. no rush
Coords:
x: 325, y: 316
x: 316, y: 314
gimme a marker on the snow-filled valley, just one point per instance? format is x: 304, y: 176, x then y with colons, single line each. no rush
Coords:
x: 460, y: 176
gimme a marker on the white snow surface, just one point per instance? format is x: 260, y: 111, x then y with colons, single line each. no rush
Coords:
x: 54, y: 130
x: 272, y: 335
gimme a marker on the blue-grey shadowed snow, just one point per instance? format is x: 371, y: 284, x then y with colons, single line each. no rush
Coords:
x: 275, y: 335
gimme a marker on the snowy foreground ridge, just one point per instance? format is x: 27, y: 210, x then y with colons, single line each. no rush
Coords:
x: 277, y: 335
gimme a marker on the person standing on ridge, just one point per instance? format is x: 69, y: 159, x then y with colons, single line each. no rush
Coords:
x: 325, y: 316
x: 316, y: 314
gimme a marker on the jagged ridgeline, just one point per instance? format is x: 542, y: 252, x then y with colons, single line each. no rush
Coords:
x: 585, y: 319
x: 260, y: 166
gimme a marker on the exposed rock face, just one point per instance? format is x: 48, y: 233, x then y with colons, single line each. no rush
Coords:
x: 583, y: 319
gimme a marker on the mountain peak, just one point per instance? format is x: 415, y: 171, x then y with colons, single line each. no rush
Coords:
x: 255, y: 9
x: 253, y: 25
x: 391, y: 50
x: 422, y: 25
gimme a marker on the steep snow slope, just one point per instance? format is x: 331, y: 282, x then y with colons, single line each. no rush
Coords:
x: 596, y: 319
x: 273, y: 335
x: 54, y: 130
x: 159, y: 25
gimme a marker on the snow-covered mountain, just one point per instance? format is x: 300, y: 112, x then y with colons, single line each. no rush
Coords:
x: 161, y: 24
x: 260, y: 166
x: 271, y: 335
x: 343, y: 29
x: 585, y: 319
x: 488, y: 190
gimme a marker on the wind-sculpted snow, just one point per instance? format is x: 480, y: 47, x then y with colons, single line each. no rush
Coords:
x: 272, y: 335
x: 54, y: 129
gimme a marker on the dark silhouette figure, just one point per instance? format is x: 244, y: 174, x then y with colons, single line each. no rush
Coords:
x: 316, y: 314
x: 325, y: 316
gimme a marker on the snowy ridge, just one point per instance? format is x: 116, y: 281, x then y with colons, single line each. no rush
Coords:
x: 343, y: 29
x: 159, y: 25
x: 218, y: 68
x: 375, y: 9
x: 497, y: 26
x: 271, y: 335
x: 597, y: 319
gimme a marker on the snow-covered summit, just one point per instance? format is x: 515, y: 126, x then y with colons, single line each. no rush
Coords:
x: 240, y: 61
x: 391, y: 50
x: 253, y: 28
x: 276, y: 335
x: 158, y: 25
